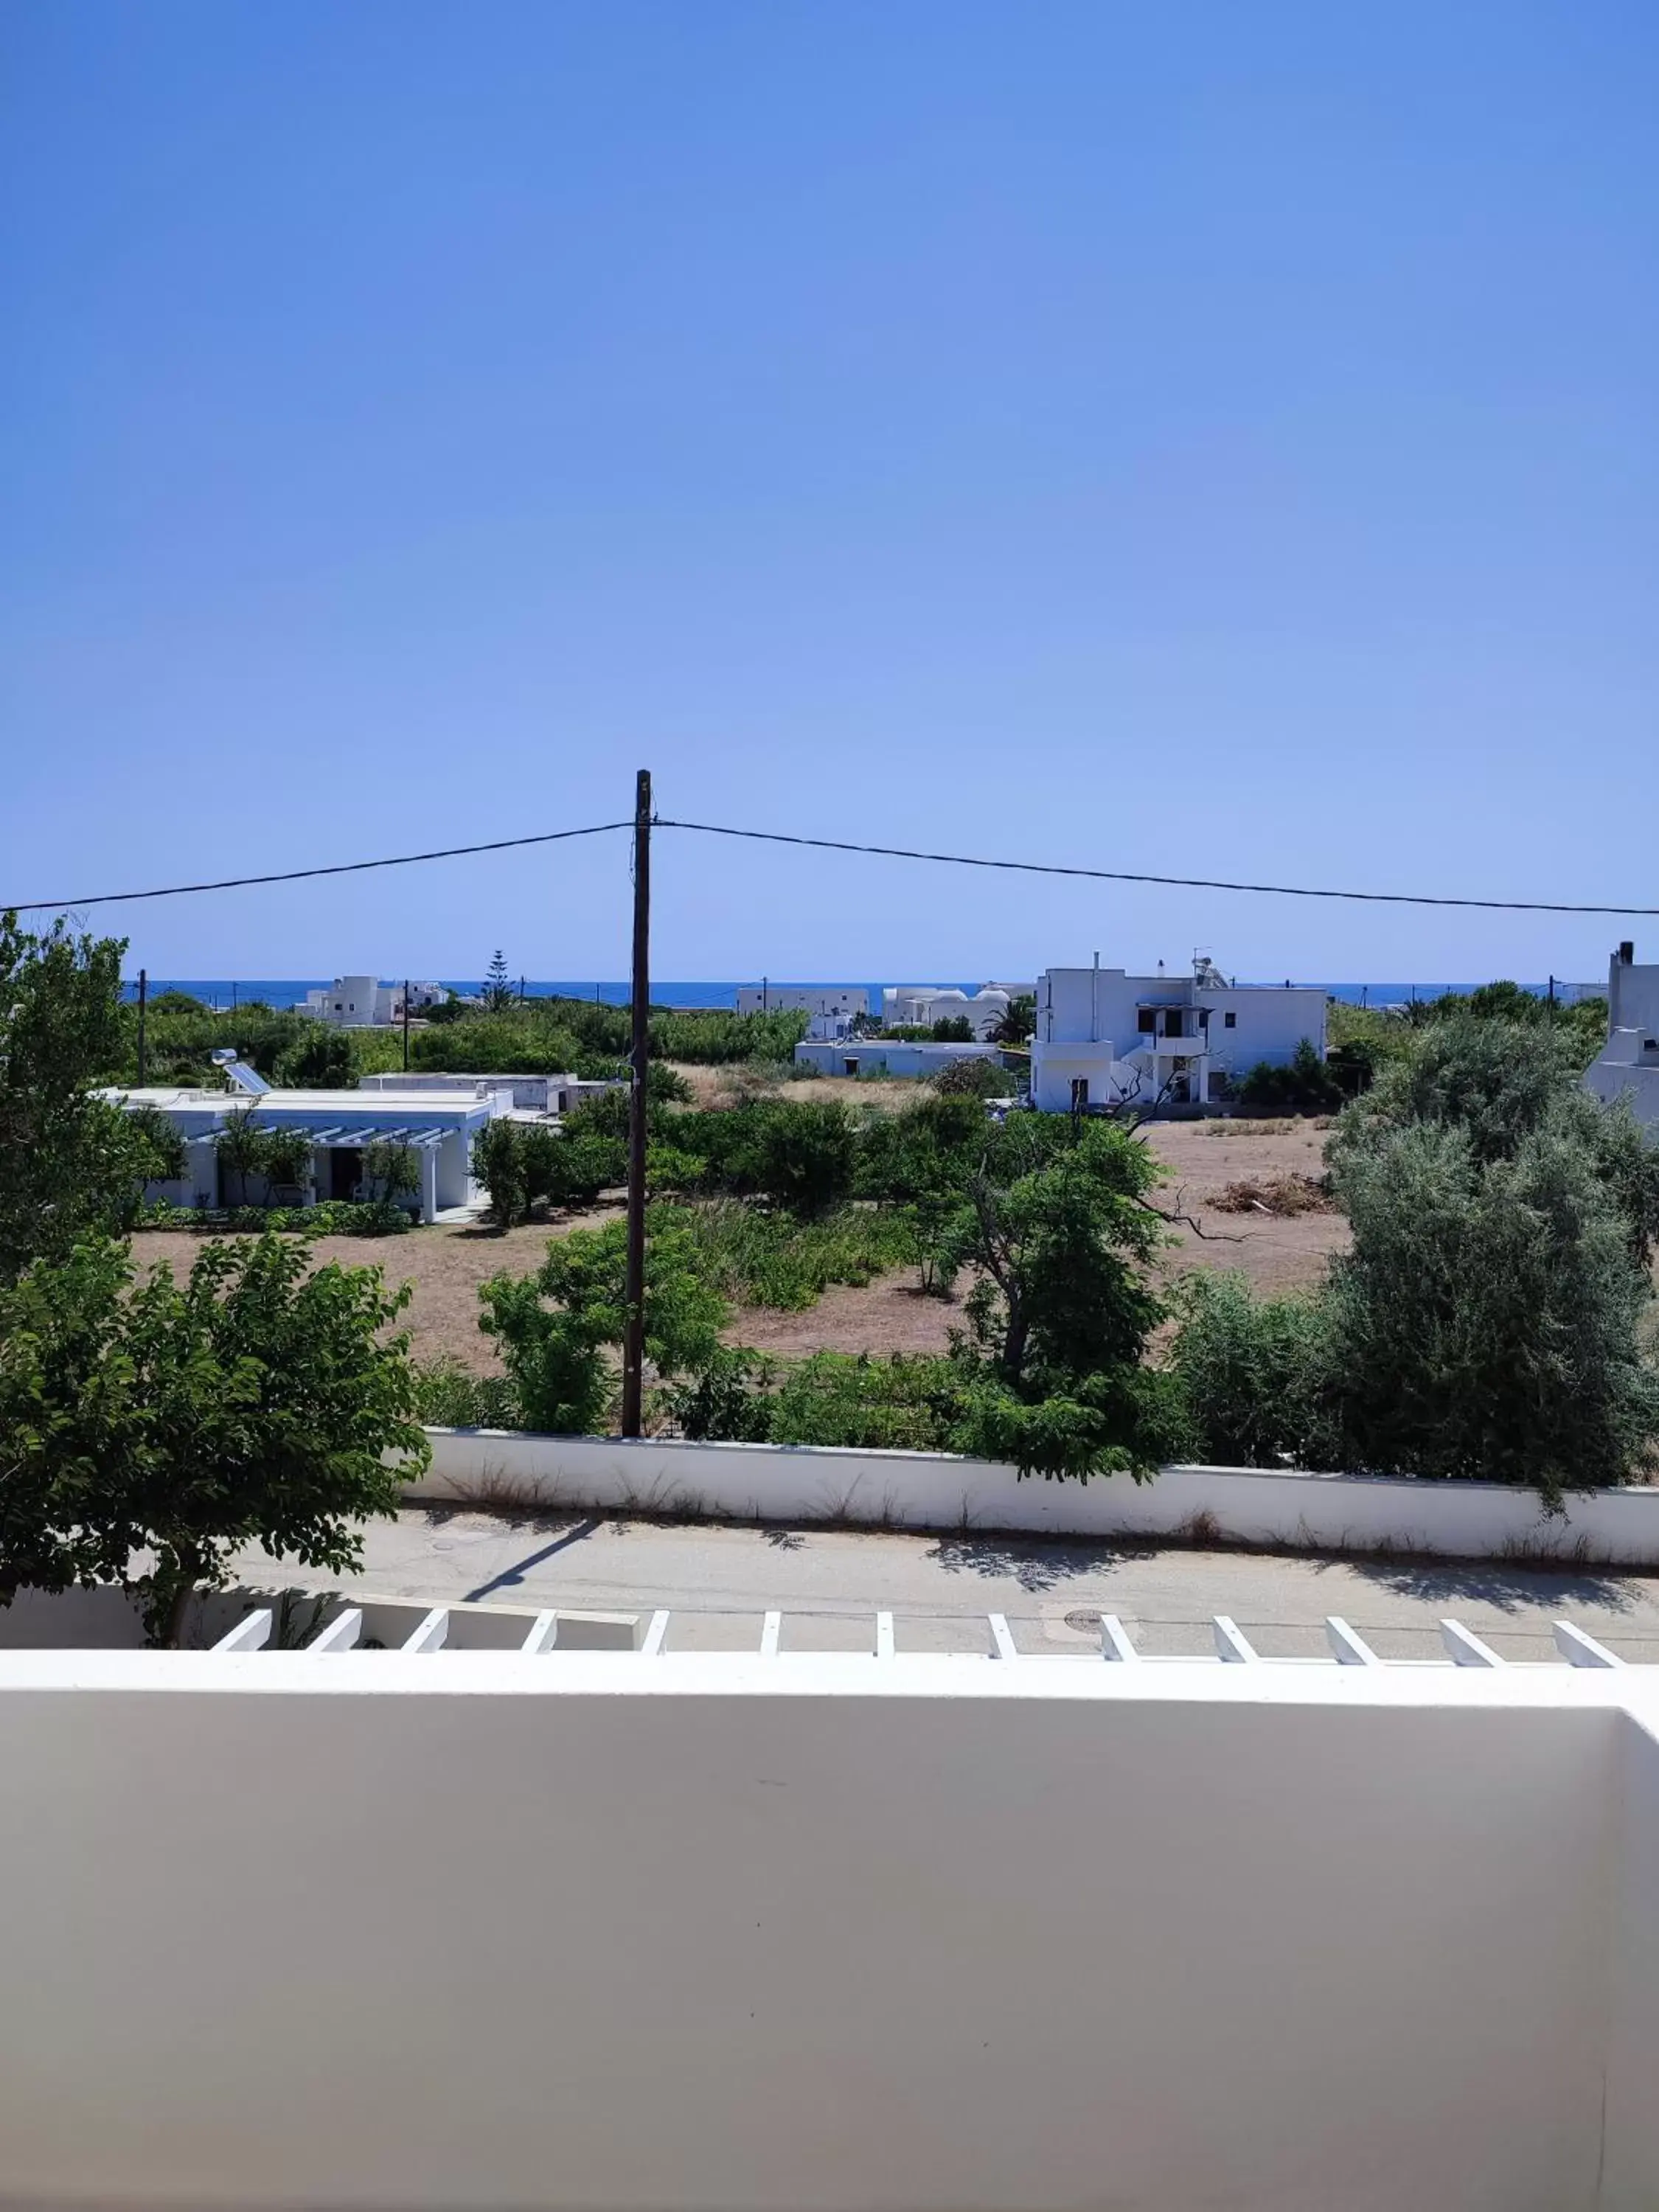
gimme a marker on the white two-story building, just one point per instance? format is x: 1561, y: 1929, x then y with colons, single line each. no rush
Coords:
x: 1104, y: 1037
x: 1628, y: 1064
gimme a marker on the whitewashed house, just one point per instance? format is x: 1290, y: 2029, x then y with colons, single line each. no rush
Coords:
x: 866, y: 1056
x: 919, y: 1005
x: 341, y: 1124
x: 1627, y: 1065
x: 530, y: 1094
x: 829, y: 1000
x: 1103, y: 1035
x: 364, y: 1002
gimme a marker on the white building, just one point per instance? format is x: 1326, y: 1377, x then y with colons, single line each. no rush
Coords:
x: 919, y: 1005
x: 503, y: 1919
x: 364, y: 1002
x: 828, y: 999
x: 1103, y: 1036
x: 860, y: 1056
x: 341, y: 1124
x: 1628, y: 1065
x: 536, y: 1094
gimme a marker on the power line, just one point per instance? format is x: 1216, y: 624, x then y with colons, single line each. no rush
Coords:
x: 298, y: 875
x: 846, y: 845
x: 1126, y: 876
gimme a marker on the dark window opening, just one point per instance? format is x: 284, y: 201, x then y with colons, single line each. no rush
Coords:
x: 1147, y: 1020
x: 1231, y: 1020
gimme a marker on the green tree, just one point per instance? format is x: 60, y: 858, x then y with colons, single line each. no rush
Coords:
x: 321, y: 1059
x: 498, y: 1163
x: 952, y: 1028
x: 1307, y: 1085
x: 152, y: 1429
x: 497, y: 990
x: 242, y: 1150
x: 1018, y: 1026
x: 69, y: 1160
x: 392, y: 1170
x: 556, y: 1327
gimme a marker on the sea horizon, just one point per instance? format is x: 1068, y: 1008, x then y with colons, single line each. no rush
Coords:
x: 283, y: 993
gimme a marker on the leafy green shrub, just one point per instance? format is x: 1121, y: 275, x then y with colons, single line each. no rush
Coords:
x: 1253, y: 1373
x: 1306, y: 1086
x: 952, y: 1028
x: 154, y: 1428
x: 335, y: 1217
x: 803, y: 1156
x: 499, y: 1163
x: 765, y: 1259
x: 321, y: 1060
x: 554, y: 1328
x: 974, y: 1079
x: 450, y: 1396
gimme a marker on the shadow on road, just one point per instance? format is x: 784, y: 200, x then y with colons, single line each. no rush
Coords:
x: 1510, y: 1587
x: 1035, y: 1565
x: 510, y: 1576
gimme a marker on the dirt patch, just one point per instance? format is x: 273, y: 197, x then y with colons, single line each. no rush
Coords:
x: 445, y: 1266
x: 888, y: 1315
x: 1276, y: 1253
x: 740, y: 1081
x: 1288, y: 1195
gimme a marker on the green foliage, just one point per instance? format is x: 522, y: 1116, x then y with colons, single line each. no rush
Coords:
x: 392, y: 1170
x: 499, y: 1163
x: 322, y: 1059
x: 1581, y: 1029
x: 1253, y: 1373
x: 69, y: 1164
x: 158, y: 1149
x: 802, y: 1157
x: 246, y: 1148
x: 498, y: 989
x: 334, y: 1217
x: 176, y: 1002
x: 1306, y: 1086
x: 974, y: 1079
x: 551, y: 1035
x: 555, y: 1328
x: 1018, y: 1026
x: 1488, y: 1322
x: 450, y: 1396
x: 150, y: 1429
x: 952, y: 1028
x: 771, y: 1258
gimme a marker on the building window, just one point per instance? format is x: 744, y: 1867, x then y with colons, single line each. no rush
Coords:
x: 1230, y: 1019
x: 1147, y: 1021
x: 851, y: 1066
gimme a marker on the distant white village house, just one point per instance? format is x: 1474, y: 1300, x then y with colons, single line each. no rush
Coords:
x: 829, y: 1001
x: 364, y: 1002
x: 919, y: 1005
x: 340, y: 1124
x: 1103, y: 1035
x: 1627, y: 1065
x: 866, y: 1056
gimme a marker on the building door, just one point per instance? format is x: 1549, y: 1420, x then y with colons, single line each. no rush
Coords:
x: 1080, y: 1093
x: 849, y: 1067
x: 345, y: 1171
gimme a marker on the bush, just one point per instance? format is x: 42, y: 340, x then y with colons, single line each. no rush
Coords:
x: 771, y: 1260
x: 555, y: 1328
x: 1252, y: 1372
x: 952, y: 1028
x: 499, y: 1163
x: 801, y: 1157
x: 321, y: 1060
x: 333, y: 1217
x: 974, y: 1079
x: 450, y: 1396
x: 1306, y: 1086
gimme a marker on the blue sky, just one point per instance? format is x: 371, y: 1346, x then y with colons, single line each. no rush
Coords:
x: 1205, y: 439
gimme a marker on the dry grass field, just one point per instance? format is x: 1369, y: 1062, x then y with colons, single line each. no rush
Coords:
x: 445, y: 1266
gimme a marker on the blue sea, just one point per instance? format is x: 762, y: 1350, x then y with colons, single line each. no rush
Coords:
x: 221, y: 991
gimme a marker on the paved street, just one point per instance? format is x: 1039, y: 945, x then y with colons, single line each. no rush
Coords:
x: 829, y: 1583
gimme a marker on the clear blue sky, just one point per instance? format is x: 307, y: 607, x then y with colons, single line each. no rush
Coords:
x: 1206, y: 438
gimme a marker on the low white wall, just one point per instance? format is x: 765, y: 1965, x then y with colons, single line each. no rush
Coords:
x: 609, y: 1933
x: 921, y: 1490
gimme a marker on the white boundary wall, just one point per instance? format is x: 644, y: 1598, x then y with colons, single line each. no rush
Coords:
x: 605, y: 1932
x: 922, y: 1490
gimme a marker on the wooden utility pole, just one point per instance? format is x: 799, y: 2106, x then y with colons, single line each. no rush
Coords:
x: 143, y: 997
x: 405, y: 1025
x: 639, y: 1046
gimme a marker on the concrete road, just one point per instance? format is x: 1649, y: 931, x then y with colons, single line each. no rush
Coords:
x: 829, y: 1583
